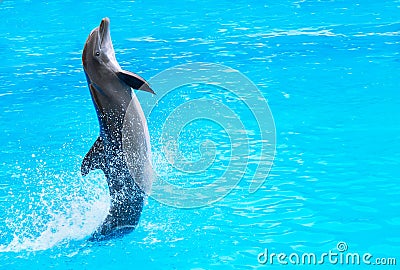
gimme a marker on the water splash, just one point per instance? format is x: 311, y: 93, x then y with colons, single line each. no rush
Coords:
x: 62, y: 208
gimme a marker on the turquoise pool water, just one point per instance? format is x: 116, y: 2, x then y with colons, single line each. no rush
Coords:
x: 329, y: 70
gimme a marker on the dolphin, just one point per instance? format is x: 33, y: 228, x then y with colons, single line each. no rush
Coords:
x: 122, y: 123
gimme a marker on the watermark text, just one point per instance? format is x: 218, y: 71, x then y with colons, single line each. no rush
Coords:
x: 338, y: 256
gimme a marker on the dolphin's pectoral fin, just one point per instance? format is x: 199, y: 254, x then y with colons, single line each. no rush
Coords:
x: 94, y: 159
x: 134, y: 81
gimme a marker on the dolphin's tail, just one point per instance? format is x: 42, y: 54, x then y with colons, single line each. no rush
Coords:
x: 123, y: 217
x: 118, y: 232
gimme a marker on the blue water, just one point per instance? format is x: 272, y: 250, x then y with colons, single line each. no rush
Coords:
x: 329, y: 70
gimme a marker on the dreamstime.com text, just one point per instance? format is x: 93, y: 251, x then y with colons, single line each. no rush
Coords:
x: 341, y: 257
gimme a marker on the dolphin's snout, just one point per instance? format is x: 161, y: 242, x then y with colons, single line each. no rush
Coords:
x: 105, y: 23
x: 104, y: 29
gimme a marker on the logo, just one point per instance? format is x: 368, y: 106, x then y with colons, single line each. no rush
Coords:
x: 208, y: 100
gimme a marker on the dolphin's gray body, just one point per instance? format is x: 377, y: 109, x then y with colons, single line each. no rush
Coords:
x: 111, y: 89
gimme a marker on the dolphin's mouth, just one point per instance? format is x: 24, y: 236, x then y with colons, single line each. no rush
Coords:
x: 104, y: 30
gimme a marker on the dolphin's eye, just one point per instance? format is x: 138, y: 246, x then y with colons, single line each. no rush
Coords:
x: 97, y: 53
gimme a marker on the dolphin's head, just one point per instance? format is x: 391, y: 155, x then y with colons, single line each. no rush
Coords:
x: 98, y: 53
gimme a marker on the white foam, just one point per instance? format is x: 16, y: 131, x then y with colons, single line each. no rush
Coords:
x: 72, y: 213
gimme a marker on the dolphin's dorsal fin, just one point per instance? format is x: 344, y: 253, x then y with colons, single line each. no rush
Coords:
x: 134, y: 81
x: 94, y: 159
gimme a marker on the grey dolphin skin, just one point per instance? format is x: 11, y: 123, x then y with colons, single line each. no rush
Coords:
x: 111, y: 87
